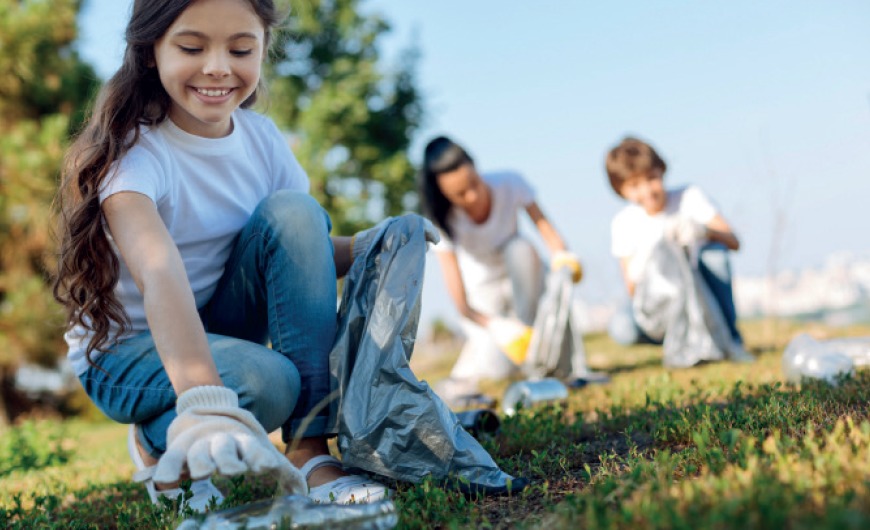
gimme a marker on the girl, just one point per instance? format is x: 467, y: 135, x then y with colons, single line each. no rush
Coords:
x: 493, y: 275
x: 188, y: 241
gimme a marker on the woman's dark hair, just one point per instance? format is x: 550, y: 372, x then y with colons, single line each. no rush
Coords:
x: 441, y: 155
x: 88, y: 268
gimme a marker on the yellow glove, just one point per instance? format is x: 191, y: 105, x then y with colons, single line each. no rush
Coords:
x: 511, y: 336
x: 563, y: 258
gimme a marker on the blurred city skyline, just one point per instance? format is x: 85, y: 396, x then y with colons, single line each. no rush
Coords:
x: 765, y: 106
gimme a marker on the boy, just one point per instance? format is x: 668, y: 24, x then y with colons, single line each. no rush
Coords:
x: 682, y: 215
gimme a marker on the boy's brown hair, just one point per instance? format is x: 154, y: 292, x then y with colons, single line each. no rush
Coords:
x: 630, y: 158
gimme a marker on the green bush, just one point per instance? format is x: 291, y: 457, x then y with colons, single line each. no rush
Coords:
x: 32, y: 446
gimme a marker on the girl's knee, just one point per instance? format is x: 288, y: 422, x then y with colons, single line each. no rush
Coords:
x: 526, y: 272
x: 270, y: 394
x: 519, y: 248
x: 267, y: 383
x: 294, y: 211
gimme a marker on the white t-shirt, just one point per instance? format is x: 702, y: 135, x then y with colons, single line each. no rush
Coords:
x: 478, y: 246
x: 634, y: 232
x: 205, y: 190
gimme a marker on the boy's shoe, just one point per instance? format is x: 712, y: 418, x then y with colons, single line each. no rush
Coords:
x: 203, y: 490
x: 738, y: 354
x: 351, y: 489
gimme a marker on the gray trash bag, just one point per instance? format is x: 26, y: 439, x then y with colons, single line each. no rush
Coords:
x: 389, y: 422
x: 556, y: 348
x: 672, y: 302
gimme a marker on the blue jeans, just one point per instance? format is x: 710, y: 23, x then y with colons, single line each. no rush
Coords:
x: 279, y: 285
x: 715, y: 268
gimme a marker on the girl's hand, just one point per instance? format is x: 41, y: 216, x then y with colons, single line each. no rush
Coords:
x: 212, y: 434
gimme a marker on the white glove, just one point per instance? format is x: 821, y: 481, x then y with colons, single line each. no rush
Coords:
x: 212, y: 434
x: 511, y: 336
x: 563, y: 258
x: 361, y: 241
x: 685, y: 232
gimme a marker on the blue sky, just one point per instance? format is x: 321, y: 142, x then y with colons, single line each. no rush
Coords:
x: 765, y: 105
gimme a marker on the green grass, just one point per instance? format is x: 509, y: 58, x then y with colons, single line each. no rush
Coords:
x: 716, y: 446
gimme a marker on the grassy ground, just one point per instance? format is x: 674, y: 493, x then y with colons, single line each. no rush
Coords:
x: 717, y: 446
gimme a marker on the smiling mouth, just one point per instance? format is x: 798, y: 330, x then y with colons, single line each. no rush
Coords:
x: 213, y: 92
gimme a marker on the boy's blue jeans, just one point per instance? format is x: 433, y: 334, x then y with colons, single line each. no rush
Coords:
x: 279, y: 285
x: 715, y: 268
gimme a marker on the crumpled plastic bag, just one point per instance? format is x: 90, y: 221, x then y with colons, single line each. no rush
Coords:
x: 826, y: 360
x: 556, y: 348
x: 389, y: 422
x: 297, y: 511
x: 673, y: 303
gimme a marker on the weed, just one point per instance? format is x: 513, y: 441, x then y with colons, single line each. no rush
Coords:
x: 31, y: 446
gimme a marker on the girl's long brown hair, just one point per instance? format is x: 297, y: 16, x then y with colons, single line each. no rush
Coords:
x: 88, y: 268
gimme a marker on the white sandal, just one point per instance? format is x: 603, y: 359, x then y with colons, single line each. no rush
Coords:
x: 351, y: 489
x: 203, y: 490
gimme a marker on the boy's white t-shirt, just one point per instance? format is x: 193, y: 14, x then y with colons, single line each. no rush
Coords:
x: 205, y: 190
x: 478, y: 246
x: 634, y: 232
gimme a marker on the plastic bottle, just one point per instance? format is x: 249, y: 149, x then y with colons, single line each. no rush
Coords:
x: 298, y: 512
x: 806, y: 357
x: 527, y: 393
x: 855, y: 348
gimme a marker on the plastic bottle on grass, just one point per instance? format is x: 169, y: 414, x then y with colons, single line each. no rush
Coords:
x: 298, y: 512
x: 528, y: 393
x: 806, y: 357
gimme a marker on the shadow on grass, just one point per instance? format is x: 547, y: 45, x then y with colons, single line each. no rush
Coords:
x: 633, y: 366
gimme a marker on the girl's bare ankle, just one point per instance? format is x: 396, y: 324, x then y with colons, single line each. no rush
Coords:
x: 149, y: 461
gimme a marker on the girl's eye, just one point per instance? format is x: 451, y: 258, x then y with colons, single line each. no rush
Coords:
x: 241, y: 53
x: 190, y: 51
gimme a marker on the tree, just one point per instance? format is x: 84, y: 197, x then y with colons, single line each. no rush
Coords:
x: 352, y: 123
x: 44, y: 88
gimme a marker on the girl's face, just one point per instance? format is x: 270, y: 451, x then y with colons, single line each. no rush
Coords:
x: 646, y: 190
x: 463, y: 187
x: 209, y: 62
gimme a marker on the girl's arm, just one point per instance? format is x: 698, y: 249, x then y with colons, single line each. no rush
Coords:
x: 456, y: 288
x: 157, y: 268
x: 551, y: 238
x: 719, y: 230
